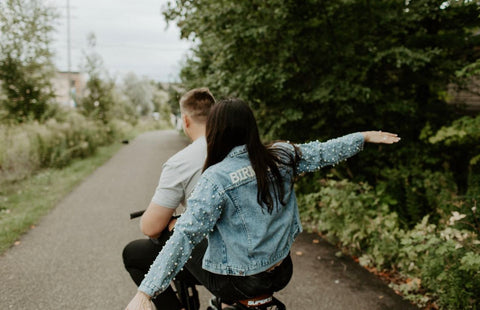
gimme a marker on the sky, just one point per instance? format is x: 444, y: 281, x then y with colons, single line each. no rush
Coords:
x: 131, y: 36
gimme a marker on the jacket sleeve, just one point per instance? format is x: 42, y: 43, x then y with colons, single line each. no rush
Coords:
x: 204, y: 209
x: 315, y: 155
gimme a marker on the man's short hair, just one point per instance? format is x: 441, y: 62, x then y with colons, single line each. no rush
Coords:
x: 196, y: 103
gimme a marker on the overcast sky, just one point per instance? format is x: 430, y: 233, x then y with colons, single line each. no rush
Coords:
x: 131, y: 36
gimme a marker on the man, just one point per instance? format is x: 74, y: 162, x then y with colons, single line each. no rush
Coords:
x: 177, y: 180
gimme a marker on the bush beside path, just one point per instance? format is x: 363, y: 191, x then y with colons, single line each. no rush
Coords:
x: 72, y: 258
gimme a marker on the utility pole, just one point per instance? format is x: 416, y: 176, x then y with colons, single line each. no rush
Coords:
x: 69, y: 59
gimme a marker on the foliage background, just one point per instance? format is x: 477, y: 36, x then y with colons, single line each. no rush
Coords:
x: 26, y: 66
x: 46, y: 147
x: 36, y: 132
x: 319, y: 69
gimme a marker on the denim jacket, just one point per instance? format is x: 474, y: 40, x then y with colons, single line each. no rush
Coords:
x: 243, y: 238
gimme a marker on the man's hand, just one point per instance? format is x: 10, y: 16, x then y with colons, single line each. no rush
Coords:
x: 380, y: 137
x: 141, y: 301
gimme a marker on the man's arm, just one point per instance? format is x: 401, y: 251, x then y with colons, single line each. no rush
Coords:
x: 155, y: 219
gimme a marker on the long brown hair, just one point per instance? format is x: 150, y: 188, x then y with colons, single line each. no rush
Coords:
x: 231, y: 123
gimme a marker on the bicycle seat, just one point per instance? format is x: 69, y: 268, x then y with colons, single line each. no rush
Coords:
x: 262, y: 302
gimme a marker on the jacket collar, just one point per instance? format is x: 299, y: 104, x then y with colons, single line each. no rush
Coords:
x: 237, y: 150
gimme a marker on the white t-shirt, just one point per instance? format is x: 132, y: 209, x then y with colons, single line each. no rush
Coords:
x: 180, y: 175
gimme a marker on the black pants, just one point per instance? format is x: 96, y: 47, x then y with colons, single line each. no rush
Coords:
x: 234, y: 288
x: 138, y: 255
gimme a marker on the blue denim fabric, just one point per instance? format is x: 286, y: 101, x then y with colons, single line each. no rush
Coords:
x: 243, y: 238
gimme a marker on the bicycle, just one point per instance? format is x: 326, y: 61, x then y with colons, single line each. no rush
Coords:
x: 188, y: 295
x: 262, y: 302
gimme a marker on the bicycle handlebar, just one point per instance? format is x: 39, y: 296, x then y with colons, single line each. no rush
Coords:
x: 136, y: 214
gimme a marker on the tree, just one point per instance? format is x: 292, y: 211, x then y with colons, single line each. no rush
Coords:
x: 26, y: 65
x: 99, y: 99
x: 319, y: 69
x: 160, y: 102
x: 307, y: 65
x: 140, y: 92
x: 122, y: 109
x: 175, y: 92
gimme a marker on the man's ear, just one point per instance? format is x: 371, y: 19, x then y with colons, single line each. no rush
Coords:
x: 186, y: 120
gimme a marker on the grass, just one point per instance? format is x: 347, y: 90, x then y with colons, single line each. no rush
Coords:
x: 23, y: 203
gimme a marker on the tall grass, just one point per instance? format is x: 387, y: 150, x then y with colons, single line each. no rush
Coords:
x: 51, y: 158
x: 27, y: 148
x: 21, y: 206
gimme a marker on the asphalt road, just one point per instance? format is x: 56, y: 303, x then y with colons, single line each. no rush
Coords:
x: 72, y: 259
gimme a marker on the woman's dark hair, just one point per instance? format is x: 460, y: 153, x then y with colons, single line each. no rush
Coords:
x: 231, y: 123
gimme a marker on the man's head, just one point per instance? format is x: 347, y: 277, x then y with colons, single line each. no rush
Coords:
x: 195, y: 106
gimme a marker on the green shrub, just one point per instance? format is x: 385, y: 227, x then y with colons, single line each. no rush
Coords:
x: 439, y: 262
x: 446, y: 261
x: 17, y: 158
x: 356, y: 218
x: 148, y: 124
x: 419, y: 192
x: 461, y: 139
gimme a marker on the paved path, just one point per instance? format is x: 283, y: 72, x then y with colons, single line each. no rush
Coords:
x: 72, y: 259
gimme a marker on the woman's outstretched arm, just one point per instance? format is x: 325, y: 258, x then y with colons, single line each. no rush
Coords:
x: 315, y: 155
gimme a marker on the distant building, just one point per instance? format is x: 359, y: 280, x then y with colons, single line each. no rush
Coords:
x: 67, y: 92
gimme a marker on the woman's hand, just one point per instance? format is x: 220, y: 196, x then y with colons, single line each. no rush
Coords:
x: 380, y: 137
x: 141, y: 301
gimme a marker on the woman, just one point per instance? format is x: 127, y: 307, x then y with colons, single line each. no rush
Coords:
x: 245, y: 204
